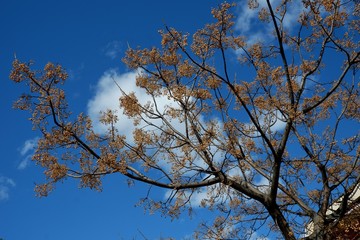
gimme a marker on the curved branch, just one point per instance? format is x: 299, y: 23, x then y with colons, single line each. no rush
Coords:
x: 136, y: 175
x: 335, y: 87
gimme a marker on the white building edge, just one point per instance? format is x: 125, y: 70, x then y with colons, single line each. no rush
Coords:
x: 353, y: 202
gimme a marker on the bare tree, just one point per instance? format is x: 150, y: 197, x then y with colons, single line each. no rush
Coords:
x: 259, y: 136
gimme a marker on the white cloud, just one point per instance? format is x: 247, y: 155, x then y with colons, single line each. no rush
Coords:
x: 215, y: 192
x: 4, y: 193
x: 107, y: 94
x: 248, y: 25
x: 24, y: 163
x: 76, y: 73
x: 195, y: 199
x: 246, y: 18
x: 26, y: 151
x: 263, y: 184
x: 107, y: 97
x: 270, y: 123
x: 28, y: 146
x: 293, y: 13
x: 273, y: 120
x: 256, y: 236
x: 5, y: 185
x: 247, y: 22
x: 112, y: 49
x: 7, y: 181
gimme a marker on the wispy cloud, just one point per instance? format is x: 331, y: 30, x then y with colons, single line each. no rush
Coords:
x: 113, y: 49
x: 5, y: 185
x: 76, y: 72
x: 28, y: 146
x: 195, y: 197
x: 203, y: 196
x: 274, y: 121
x: 26, y: 151
x: 257, y: 236
x: 271, y: 122
x: 248, y: 24
x: 263, y: 184
x: 207, y: 193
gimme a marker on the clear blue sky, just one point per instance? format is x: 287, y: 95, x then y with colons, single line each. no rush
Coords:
x: 87, y: 38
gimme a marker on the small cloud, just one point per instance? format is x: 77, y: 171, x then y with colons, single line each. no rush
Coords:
x: 274, y: 120
x: 26, y: 151
x: 263, y: 184
x: 29, y: 145
x: 195, y: 197
x: 271, y: 122
x: 4, y: 193
x: 76, y: 73
x: 248, y: 23
x: 201, y: 196
x: 112, y: 49
x: 257, y: 236
x: 7, y: 181
x: 5, y: 185
x: 24, y: 163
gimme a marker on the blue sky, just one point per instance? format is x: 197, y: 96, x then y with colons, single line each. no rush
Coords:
x: 88, y: 38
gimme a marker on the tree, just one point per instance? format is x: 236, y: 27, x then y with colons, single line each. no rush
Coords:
x: 348, y: 227
x: 265, y: 150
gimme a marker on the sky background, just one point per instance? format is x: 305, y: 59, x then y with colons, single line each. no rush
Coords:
x: 89, y: 39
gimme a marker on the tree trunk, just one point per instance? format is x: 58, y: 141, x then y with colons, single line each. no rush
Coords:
x: 281, y: 222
